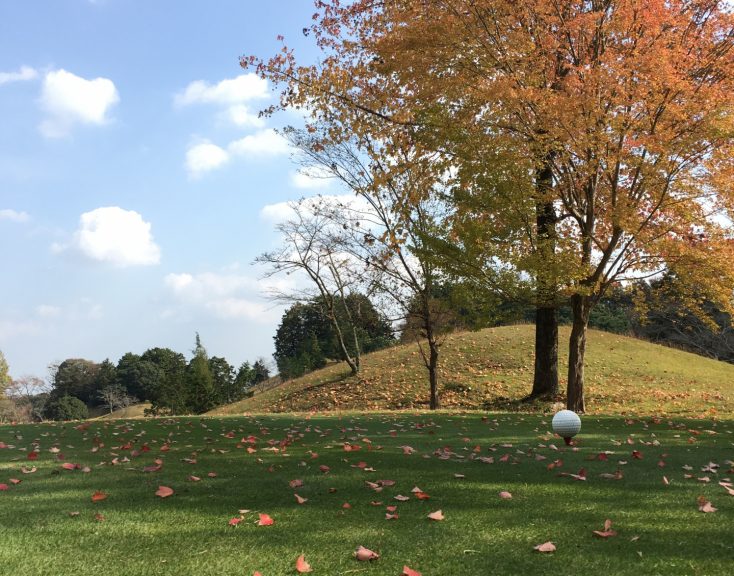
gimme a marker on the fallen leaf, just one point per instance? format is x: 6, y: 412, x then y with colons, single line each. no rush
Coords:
x: 607, y: 532
x: 300, y: 500
x: 364, y: 554
x: 437, y: 515
x: 164, y: 491
x: 505, y: 495
x: 410, y: 572
x: 296, y: 483
x: 302, y: 566
x: 545, y: 547
x: 235, y: 521
x: 98, y: 496
x: 265, y: 520
x: 4, y: 487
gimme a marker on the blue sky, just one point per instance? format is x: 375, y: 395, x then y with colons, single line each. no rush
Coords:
x: 137, y: 183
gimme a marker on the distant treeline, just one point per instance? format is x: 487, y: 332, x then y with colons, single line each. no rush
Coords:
x: 159, y: 376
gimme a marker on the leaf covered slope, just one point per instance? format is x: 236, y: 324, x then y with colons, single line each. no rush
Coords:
x: 493, y: 369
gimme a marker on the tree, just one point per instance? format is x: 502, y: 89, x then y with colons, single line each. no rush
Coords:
x: 199, y: 381
x: 626, y: 103
x: 223, y: 378
x: 76, y: 377
x: 115, y: 396
x: 260, y: 370
x: 312, y: 247
x: 244, y: 380
x: 5, y: 382
x: 66, y: 407
x: 168, y: 390
x: 29, y: 394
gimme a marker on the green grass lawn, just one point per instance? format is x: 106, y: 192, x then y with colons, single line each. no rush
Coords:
x: 49, y: 524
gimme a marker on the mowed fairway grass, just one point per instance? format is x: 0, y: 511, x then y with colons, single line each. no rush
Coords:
x: 50, y: 525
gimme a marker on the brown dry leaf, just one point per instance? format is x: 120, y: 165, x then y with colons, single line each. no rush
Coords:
x: 437, y: 515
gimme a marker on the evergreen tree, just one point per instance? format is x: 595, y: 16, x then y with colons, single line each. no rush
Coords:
x: 199, y: 381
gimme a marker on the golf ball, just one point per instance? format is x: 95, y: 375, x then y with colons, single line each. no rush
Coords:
x: 566, y: 423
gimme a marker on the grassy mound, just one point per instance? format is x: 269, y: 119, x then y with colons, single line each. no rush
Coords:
x: 492, y: 369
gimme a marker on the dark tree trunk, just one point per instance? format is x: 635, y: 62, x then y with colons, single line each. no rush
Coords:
x: 545, y: 378
x: 581, y: 307
x: 433, y: 373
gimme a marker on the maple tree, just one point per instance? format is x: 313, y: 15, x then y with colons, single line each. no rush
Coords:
x: 620, y: 108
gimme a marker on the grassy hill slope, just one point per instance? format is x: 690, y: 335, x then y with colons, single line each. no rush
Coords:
x: 493, y: 368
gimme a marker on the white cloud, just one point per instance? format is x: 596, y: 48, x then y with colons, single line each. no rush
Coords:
x: 48, y: 311
x: 282, y: 211
x: 69, y: 99
x: 205, y: 157
x: 240, y: 116
x: 14, y: 216
x: 263, y: 143
x: 230, y: 91
x: 226, y: 296
x: 120, y: 237
x: 312, y: 178
x: 24, y: 74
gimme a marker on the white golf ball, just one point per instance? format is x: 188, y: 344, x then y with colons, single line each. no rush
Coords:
x: 566, y: 423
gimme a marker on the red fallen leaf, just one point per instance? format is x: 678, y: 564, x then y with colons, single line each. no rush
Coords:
x: 324, y: 468
x: 437, y: 515
x: 193, y: 478
x: 545, y: 547
x: 4, y: 487
x: 98, y: 496
x: 636, y: 454
x: 69, y: 466
x: 265, y: 520
x: 410, y: 572
x: 602, y: 456
x: 580, y: 476
x: 32, y: 456
x: 422, y: 496
x: 376, y: 503
x: 607, y: 532
x: 389, y: 516
x: 15, y: 481
x: 164, y: 491
x: 302, y: 566
x: 234, y: 521
x: 295, y: 483
x: 505, y: 495
x: 364, y: 554
x: 300, y: 500
x: 257, y: 574
x: 391, y: 508
x: 555, y: 464
x: 165, y: 448
x: 346, y: 506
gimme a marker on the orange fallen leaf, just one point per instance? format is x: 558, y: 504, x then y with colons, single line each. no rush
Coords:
x: 265, y: 520
x: 98, y: 496
x: 410, y: 572
x: 164, y: 491
x: 364, y: 554
x: 302, y: 566
x: 235, y: 521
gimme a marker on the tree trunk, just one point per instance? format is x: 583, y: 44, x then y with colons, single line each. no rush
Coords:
x: 545, y: 378
x: 581, y: 307
x: 433, y: 372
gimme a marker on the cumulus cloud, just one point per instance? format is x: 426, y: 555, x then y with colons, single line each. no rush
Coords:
x: 69, y: 99
x: 226, y: 296
x: 240, y: 116
x: 204, y: 157
x: 14, y: 216
x: 263, y: 143
x: 119, y: 237
x: 24, y: 74
x: 237, y: 90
